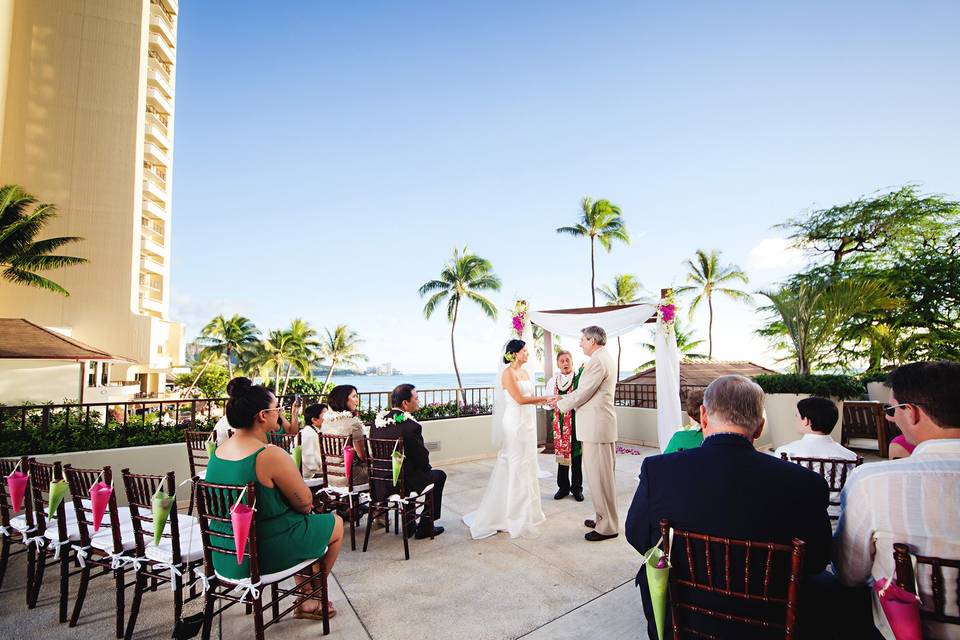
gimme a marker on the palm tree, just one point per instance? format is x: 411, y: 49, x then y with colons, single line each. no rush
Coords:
x: 601, y: 221
x: 462, y: 278
x: 686, y: 345
x: 710, y: 277
x: 340, y: 347
x: 279, y: 350
x: 21, y: 256
x: 804, y: 318
x: 625, y: 290
x: 229, y: 338
x: 304, y: 348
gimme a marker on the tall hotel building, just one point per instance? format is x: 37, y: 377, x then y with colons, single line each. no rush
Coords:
x: 86, y: 123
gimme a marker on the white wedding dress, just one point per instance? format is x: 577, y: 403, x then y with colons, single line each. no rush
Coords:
x: 511, y: 502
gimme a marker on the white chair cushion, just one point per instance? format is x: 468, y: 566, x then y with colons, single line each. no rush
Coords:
x: 863, y: 443
x: 313, y: 482
x: 103, y: 539
x: 191, y: 546
x: 269, y: 578
x: 19, y: 523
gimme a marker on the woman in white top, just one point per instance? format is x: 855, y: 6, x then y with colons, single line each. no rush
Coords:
x: 342, y: 420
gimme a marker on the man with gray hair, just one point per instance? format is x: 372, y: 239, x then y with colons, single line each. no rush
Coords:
x: 597, y: 430
x: 727, y: 488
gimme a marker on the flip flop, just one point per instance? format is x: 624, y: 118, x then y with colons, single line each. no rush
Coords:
x: 314, y: 615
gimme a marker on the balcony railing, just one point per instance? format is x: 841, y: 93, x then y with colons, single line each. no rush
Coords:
x: 156, y: 154
x: 153, y: 210
x: 158, y: 100
x: 58, y: 428
x: 161, y: 23
x: 158, y: 78
x: 152, y: 265
x: 159, y: 44
x: 643, y: 395
x: 152, y: 190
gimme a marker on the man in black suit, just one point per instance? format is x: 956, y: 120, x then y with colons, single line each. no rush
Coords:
x: 727, y: 488
x: 417, y: 472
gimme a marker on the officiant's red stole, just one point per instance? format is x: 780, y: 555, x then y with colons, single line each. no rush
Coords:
x: 563, y: 438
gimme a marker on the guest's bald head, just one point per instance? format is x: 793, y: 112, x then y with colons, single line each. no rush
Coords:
x: 734, y: 403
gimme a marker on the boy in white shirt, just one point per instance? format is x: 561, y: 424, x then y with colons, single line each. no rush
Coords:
x: 816, y: 419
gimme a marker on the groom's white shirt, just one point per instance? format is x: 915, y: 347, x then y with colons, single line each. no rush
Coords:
x: 593, y: 399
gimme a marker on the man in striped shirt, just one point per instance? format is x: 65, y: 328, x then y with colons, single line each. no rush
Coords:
x: 914, y: 500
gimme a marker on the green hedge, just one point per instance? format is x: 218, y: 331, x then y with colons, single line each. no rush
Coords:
x: 874, y: 376
x: 829, y: 386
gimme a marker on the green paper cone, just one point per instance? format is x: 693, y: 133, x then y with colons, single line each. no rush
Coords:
x: 397, y: 460
x: 162, y: 503
x: 58, y: 491
x: 657, y: 582
x: 211, y: 447
x: 297, y: 455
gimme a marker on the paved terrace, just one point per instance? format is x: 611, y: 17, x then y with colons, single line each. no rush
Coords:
x: 553, y: 587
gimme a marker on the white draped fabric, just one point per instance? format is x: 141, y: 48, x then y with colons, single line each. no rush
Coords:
x: 667, y: 359
x: 615, y: 322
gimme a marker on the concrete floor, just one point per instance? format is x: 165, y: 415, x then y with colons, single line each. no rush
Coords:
x: 555, y: 586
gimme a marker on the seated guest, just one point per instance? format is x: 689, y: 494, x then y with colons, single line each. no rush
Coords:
x: 342, y: 420
x: 689, y: 437
x: 900, y: 447
x: 310, y: 440
x: 416, y: 470
x: 727, y: 488
x: 916, y: 500
x: 816, y: 418
x: 287, y: 531
x: 223, y: 429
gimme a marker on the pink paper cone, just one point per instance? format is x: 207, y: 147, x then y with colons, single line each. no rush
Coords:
x: 17, y: 486
x: 241, y: 516
x: 347, y: 459
x: 99, y: 499
x: 901, y: 608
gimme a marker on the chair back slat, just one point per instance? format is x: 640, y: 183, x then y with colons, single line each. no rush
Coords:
x: 80, y: 481
x: 865, y: 419
x: 380, y: 454
x: 834, y: 470
x: 774, y: 593
x: 41, y: 475
x: 140, y: 489
x: 197, y: 449
x: 214, y: 502
x: 331, y: 458
x: 285, y: 441
x: 934, y: 604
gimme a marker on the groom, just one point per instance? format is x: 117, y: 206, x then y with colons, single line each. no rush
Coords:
x: 597, y: 430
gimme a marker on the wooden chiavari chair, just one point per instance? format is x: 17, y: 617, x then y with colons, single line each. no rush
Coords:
x: 701, y: 564
x: 933, y: 604
x: 834, y: 470
x: 864, y: 420
x: 13, y: 527
x: 180, y: 550
x: 110, y: 548
x: 197, y: 455
x: 213, y: 505
x: 386, y: 497
x: 343, y: 498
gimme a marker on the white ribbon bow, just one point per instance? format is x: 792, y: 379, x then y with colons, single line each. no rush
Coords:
x: 200, y: 575
x: 56, y: 545
x: 81, y: 553
x: 174, y: 571
x: 39, y: 541
x: 4, y: 531
x: 247, y: 589
x: 119, y: 561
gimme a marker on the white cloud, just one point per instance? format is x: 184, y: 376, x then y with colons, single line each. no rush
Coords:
x: 775, y: 253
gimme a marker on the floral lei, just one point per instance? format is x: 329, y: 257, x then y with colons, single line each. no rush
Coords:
x: 382, y: 420
x: 333, y: 416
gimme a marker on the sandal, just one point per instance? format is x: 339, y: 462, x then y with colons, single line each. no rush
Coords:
x: 316, y: 614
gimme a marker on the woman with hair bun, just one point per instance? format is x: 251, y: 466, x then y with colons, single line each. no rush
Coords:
x: 288, y: 532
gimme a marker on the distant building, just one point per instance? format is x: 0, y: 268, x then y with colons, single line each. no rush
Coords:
x: 700, y: 373
x: 86, y: 123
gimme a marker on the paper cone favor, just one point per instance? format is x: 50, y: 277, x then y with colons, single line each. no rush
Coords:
x: 211, y: 447
x: 348, y: 460
x: 658, y: 570
x: 161, y: 502
x: 901, y: 608
x: 397, y: 460
x: 100, y: 494
x: 241, y: 516
x: 17, y: 487
x: 58, y: 491
x: 297, y: 455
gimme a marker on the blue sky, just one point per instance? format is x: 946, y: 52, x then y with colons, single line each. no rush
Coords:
x: 330, y: 155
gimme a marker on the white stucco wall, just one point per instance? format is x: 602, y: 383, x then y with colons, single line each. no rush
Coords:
x: 38, y: 381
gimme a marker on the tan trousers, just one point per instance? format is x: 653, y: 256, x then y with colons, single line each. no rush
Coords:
x: 599, y: 464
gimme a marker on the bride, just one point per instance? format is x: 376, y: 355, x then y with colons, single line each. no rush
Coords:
x: 511, y: 502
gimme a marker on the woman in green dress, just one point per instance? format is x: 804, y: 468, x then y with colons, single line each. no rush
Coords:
x: 689, y: 437
x: 288, y: 532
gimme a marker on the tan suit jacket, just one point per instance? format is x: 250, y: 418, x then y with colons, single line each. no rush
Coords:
x: 593, y: 399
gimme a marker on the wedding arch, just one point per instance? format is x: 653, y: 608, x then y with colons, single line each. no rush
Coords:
x: 617, y: 321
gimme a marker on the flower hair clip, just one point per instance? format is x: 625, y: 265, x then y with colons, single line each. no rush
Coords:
x: 509, y: 357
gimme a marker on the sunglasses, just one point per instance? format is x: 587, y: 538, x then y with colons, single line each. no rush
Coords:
x: 892, y: 410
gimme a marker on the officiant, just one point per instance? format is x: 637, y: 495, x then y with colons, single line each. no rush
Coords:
x: 568, y: 450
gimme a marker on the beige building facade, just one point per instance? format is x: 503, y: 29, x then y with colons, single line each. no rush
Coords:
x: 86, y: 123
